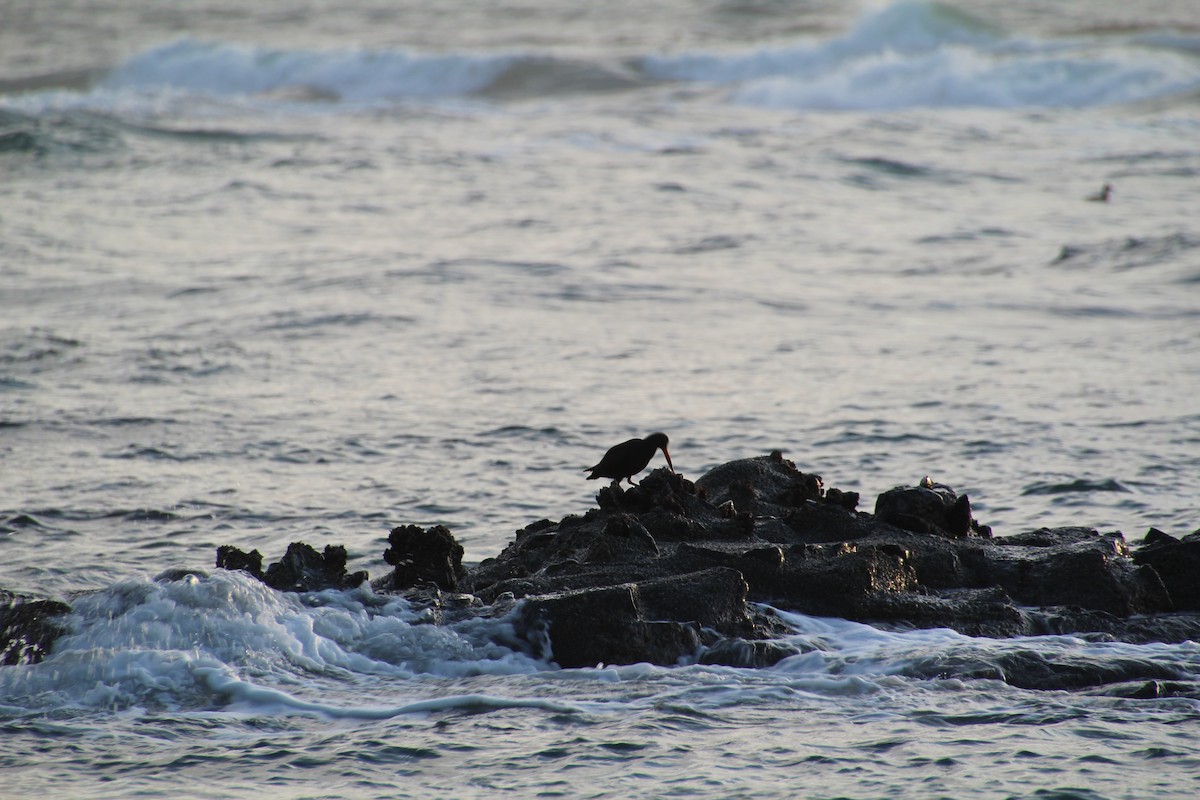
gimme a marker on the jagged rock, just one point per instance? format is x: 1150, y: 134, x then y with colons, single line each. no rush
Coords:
x: 929, y: 508
x: 656, y: 621
x: 1177, y: 563
x: 777, y: 529
x: 28, y: 626
x: 764, y: 486
x: 670, y: 508
x: 231, y: 558
x: 423, y: 556
x: 606, y: 626
x: 1050, y: 567
x: 813, y: 579
x: 303, y: 569
x: 844, y: 582
x: 713, y: 598
x: 1083, y: 568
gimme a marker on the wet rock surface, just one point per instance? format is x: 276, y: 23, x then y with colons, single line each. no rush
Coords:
x: 670, y: 571
x: 799, y: 546
x: 1177, y: 564
x: 422, y: 556
x: 28, y: 627
x: 302, y: 568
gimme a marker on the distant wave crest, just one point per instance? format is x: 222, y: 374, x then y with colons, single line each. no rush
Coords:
x: 228, y: 69
x: 905, y: 55
x: 917, y: 54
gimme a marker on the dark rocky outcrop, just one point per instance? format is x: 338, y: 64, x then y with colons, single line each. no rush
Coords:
x: 929, y: 508
x: 229, y: 557
x: 422, y: 556
x: 1177, y: 564
x: 1075, y: 567
x: 605, y: 625
x: 302, y: 568
x: 672, y: 570
x: 921, y: 561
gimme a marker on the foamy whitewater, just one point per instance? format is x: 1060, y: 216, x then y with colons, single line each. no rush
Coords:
x: 302, y: 273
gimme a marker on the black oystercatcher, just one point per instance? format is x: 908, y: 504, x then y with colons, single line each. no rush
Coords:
x: 629, y: 458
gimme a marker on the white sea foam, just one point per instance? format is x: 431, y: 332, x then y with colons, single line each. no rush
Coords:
x: 915, y: 54
x: 958, y: 77
x: 840, y: 656
x: 215, y: 639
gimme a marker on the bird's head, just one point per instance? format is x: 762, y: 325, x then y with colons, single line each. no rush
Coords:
x: 660, y: 440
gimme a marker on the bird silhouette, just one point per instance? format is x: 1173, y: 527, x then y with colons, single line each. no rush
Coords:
x: 628, y: 458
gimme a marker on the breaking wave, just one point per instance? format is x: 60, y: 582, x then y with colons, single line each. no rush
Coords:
x: 219, y: 68
x: 224, y: 641
x: 916, y: 54
x: 905, y: 55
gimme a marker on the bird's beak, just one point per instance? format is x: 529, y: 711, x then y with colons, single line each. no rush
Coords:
x: 669, y: 464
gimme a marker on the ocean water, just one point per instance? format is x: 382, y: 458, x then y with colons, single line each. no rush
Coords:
x: 306, y: 271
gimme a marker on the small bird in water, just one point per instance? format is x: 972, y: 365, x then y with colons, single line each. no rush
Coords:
x: 1102, y: 195
x: 627, y: 459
